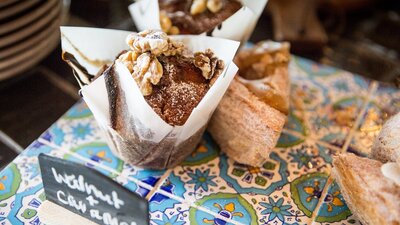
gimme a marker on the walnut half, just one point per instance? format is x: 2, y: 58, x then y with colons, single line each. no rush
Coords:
x: 153, y: 41
x: 207, y: 63
x: 147, y: 71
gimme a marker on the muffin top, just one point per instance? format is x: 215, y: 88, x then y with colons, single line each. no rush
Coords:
x: 171, y: 78
x: 195, y: 16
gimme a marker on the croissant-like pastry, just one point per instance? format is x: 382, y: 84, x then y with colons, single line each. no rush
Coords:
x: 249, y: 119
x: 370, y: 195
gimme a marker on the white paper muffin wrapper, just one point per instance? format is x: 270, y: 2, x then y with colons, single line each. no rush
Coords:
x: 239, y: 26
x: 90, y: 45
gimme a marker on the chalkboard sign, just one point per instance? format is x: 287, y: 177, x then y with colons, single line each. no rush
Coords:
x: 90, y: 194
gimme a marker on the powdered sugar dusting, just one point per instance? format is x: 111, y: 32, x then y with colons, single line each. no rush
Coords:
x: 180, y: 90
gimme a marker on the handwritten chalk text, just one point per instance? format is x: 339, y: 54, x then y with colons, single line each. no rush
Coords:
x: 79, y: 184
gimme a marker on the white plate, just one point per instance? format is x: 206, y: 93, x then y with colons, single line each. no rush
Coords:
x: 31, y: 16
x: 30, y: 30
x: 12, y: 61
x: 31, y: 57
x: 4, y: 3
x: 12, y: 10
x: 28, y: 42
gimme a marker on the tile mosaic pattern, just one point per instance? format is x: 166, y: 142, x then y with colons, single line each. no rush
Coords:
x: 333, y: 209
x: 333, y: 111
x: 326, y: 100
x: 384, y: 103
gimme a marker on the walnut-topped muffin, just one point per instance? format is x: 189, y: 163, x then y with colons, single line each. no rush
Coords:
x: 172, y: 80
x: 154, y: 100
x: 195, y: 16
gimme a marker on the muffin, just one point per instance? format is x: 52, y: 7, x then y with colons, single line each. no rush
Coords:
x: 230, y: 19
x: 195, y: 17
x: 154, y: 100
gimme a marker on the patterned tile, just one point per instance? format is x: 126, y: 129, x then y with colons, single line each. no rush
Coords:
x: 98, y: 152
x: 327, y: 100
x: 76, y: 126
x: 77, y: 131
x: 21, y: 183
x: 296, y: 123
x: 22, y: 207
x: 21, y: 186
x: 28, y: 166
x: 295, y: 174
x: 164, y: 210
x: 286, y: 189
x: 384, y: 103
x: 292, y: 203
x: 334, y: 210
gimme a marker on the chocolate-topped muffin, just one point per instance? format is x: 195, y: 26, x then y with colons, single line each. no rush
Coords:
x: 173, y: 83
x: 195, y: 16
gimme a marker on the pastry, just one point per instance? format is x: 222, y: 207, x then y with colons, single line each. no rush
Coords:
x: 195, y: 16
x: 386, y: 147
x: 372, y: 196
x: 250, y: 118
x: 263, y: 69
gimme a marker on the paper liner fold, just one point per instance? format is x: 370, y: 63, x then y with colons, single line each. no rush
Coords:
x: 239, y: 26
x: 134, y: 131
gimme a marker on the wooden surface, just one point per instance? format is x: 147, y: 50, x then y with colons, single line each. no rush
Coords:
x: 53, y: 214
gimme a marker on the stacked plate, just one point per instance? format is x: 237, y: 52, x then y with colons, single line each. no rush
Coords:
x: 29, y: 30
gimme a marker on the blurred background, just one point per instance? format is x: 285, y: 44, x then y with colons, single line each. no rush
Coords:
x: 36, y: 87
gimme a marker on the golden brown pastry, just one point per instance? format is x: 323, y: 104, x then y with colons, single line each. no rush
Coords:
x: 370, y: 195
x: 251, y: 116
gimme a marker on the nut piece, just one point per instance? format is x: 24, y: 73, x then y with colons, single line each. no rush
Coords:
x: 165, y: 22
x: 148, y: 70
x: 145, y: 87
x: 152, y: 76
x: 128, y: 59
x: 155, y: 72
x: 155, y: 42
x: 214, y: 5
x: 207, y: 63
x: 202, y: 62
x: 198, y: 6
x: 174, y: 30
x: 174, y: 48
x: 141, y: 67
x: 152, y: 41
x: 142, y: 60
